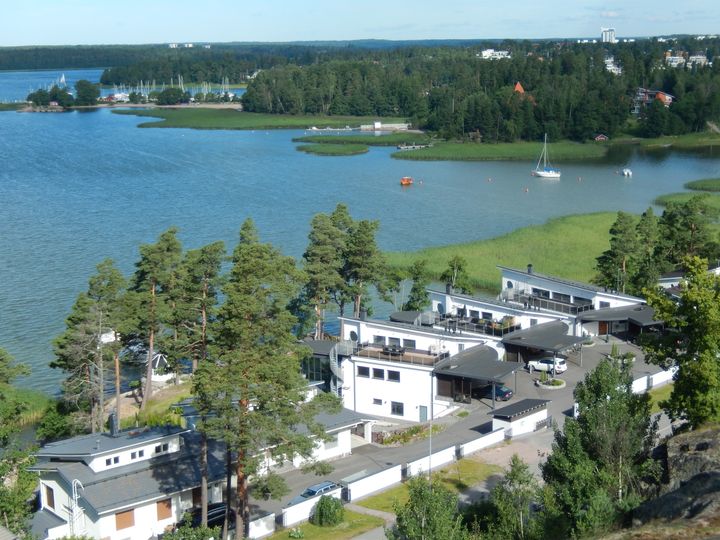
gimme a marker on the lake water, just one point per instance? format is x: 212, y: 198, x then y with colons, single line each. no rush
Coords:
x: 81, y: 186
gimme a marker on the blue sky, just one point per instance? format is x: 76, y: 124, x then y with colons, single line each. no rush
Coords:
x: 60, y: 22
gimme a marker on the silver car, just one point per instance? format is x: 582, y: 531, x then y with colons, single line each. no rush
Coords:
x: 546, y: 364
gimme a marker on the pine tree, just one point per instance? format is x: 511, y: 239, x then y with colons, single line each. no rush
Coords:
x: 418, y: 298
x: 616, y: 264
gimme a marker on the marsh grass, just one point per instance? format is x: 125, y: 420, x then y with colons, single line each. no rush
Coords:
x: 517, y: 151
x: 706, y: 184
x: 565, y: 247
x: 391, y: 139
x: 333, y: 149
x: 713, y: 200
x: 207, y: 118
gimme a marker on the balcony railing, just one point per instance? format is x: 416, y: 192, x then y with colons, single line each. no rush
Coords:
x: 406, y: 355
x: 538, y: 302
x: 458, y: 325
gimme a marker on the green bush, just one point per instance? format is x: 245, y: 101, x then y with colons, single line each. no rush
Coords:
x: 328, y: 512
x: 296, y: 533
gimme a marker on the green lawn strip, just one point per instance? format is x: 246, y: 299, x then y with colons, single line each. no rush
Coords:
x: 391, y: 139
x: 157, y: 411
x: 34, y: 402
x: 706, y: 184
x: 456, y: 477
x: 659, y: 394
x: 560, y: 151
x: 713, y: 200
x: 207, y: 118
x: 12, y: 106
x: 333, y: 149
x: 688, y: 141
x: 352, y: 525
x: 564, y: 247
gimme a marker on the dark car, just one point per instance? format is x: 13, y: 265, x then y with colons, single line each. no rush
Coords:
x: 215, y: 518
x: 502, y: 392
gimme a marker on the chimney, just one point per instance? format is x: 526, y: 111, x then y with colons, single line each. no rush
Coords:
x: 530, y: 269
x: 112, y: 420
x: 363, y: 314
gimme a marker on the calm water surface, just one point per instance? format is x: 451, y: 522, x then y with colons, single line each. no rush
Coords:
x: 79, y: 187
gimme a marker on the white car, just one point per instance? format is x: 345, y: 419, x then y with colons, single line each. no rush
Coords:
x: 546, y: 364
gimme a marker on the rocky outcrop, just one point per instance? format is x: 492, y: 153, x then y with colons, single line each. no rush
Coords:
x: 692, y: 489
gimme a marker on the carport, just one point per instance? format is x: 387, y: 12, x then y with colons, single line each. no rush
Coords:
x: 551, y: 337
x: 630, y: 320
x: 457, y: 375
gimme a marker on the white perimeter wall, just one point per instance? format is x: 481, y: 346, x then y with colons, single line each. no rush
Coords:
x: 438, y: 459
x: 374, y: 482
x: 494, y: 437
x: 302, y: 511
x: 261, y: 527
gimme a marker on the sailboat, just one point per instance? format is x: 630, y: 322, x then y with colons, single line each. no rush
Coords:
x: 547, y: 171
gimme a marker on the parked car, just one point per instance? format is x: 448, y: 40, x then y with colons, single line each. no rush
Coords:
x: 314, y: 491
x: 215, y: 516
x: 502, y: 392
x: 546, y: 364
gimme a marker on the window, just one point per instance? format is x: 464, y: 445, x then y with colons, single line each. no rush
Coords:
x: 409, y: 343
x: 165, y: 447
x: 604, y: 304
x: 542, y: 293
x: 487, y: 315
x: 124, y: 520
x: 377, y: 401
x: 461, y: 347
x: 378, y: 373
x: 49, y: 497
x: 133, y: 455
x: 561, y: 297
x: 164, y: 509
x: 533, y: 322
x: 141, y: 453
x: 398, y: 409
x: 158, y: 449
x: 394, y: 342
x: 363, y: 371
x: 116, y: 460
x: 379, y: 340
x: 393, y: 376
x: 474, y: 313
x: 108, y: 462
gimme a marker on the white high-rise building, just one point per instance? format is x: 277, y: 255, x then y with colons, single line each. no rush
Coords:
x: 608, y: 35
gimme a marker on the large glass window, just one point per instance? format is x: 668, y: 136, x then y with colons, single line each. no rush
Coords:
x: 396, y: 408
x: 393, y: 376
x: 379, y: 340
x: 409, y: 343
x: 363, y: 371
x: 542, y: 293
x: 487, y: 315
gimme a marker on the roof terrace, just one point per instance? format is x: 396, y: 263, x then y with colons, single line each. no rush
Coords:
x: 406, y: 355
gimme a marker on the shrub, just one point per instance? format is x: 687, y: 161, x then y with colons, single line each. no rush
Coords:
x: 296, y: 532
x: 328, y: 512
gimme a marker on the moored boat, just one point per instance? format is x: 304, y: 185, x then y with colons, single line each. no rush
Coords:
x: 546, y: 171
x: 627, y: 171
x: 406, y: 181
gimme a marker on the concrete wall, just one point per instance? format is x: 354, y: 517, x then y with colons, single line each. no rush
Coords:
x: 262, y: 526
x: 435, y: 460
x: 302, y: 511
x: 494, y: 437
x: 640, y: 385
x: 373, y: 482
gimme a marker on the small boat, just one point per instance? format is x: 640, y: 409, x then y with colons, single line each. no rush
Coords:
x: 406, y: 181
x: 627, y: 171
x: 547, y: 171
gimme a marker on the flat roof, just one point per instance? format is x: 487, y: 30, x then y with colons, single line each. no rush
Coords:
x: 550, y: 336
x: 519, y: 409
x: 642, y: 315
x: 419, y: 329
x: 479, y: 362
x: 578, y: 284
x: 406, y: 317
x: 320, y: 347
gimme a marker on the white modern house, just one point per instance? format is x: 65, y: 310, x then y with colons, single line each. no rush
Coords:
x: 133, y: 485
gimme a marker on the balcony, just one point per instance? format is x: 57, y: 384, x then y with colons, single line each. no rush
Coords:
x: 537, y: 302
x: 405, y: 355
x: 458, y: 325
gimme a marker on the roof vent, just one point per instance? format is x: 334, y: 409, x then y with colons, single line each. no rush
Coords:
x: 530, y: 269
x: 97, y: 444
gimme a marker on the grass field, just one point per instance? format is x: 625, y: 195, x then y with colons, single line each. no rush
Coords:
x: 686, y: 142
x: 352, y: 525
x: 560, y: 151
x: 456, y: 477
x: 713, y: 200
x: 391, y: 139
x: 205, y: 118
x: 35, y: 402
x: 564, y: 247
x: 659, y: 394
x: 706, y: 184
x: 333, y: 149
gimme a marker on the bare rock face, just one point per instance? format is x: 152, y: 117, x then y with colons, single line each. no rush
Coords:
x: 693, y: 479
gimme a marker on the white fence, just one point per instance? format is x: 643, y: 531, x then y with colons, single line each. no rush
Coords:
x: 433, y: 461
x: 661, y: 378
x: 640, y: 385
x: 373, y: 482
x: 494, y: 437
x: 302, y: 511
x: 262, y: 526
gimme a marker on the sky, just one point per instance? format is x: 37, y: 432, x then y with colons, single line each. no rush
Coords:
x: 74, y: 22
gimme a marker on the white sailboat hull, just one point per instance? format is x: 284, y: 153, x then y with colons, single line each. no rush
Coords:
x: 546, y: 174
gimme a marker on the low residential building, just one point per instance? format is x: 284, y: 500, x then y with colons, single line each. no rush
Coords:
x: 132, y: 485
x: 492, y: 54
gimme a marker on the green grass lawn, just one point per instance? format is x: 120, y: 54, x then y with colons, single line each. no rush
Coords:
x: 687, y: 141
x: 564, y: 247
x: 659, y: 394
x: 158, y: 410
x: 706, y: 184
x: 560, y: 151
x: 456, y: 477
x: 713, y: 200
x: 391, y: 139
x: 333, y: 149
x: 35, y: 402
x: 206, y: 118
x: 353, y: 525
